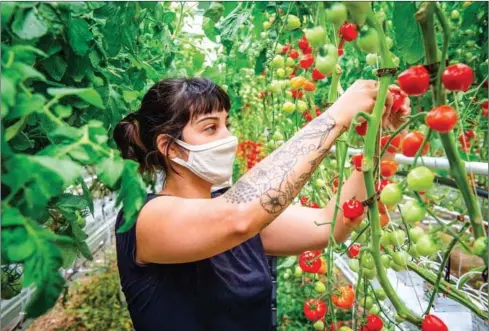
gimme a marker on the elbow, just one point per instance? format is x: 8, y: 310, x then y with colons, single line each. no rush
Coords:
x: 241, y: 220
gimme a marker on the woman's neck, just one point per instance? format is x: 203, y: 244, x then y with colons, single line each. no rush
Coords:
x: 187, y: 186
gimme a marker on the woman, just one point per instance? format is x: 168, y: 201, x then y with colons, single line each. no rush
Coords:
x: 194, y: 263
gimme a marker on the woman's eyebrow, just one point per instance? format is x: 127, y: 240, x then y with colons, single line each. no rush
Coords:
x: 207, y: 118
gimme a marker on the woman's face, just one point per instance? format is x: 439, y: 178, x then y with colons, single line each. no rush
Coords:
x: 207, y: 128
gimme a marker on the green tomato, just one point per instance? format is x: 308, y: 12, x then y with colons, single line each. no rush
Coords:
x: 371, y: 59
x: 385, y: 239
x: 413, y: 251
x: 397, y: 267
x: 277, y: 62
x: 290, y: 62
x: 301, y: 106
x: 345, y: 328
x: 318, y: 325
x: 288, y: 70
x: 420, y: 179
x: 397, y: 237
x: 380, y: 294
x: 288, y: 107
x: 354, y: 265
x: 325, y: 64
x: 374, y: 310
x: 391, y: 194
x: 470, y: 43
x: 480, y: 246
x: 400, y: 258
x: 468, y: 56
x: 415, y: 233
x: 320, y: 287
x: 367, y: 261
x: 412, y: 212
x: 298, y: 272
x: 425, y: 246
x: 362, y: 238
x: 367, y: 302
x: 278, y: 49
x: 386, y: 260
x: 292, y: 23
x: 333, y: 163
x: 368, y: 41
x: 370, y: 273
x: 286, y: 276
x: 267, y: 25
x: 281, y: 72
x: 455, y: 15
x: 337, y: 14
x: 316, y: 36
x: 319, y: 183
x: 277, y: 135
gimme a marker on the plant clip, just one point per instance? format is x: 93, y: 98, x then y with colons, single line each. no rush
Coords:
x: 484, y: 275
x: 370, y: 201
x: 387, y: 72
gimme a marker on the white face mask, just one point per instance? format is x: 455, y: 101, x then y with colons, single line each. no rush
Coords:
x: 212, y: 161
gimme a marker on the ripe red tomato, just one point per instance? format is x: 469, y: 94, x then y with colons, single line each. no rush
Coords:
x: 470, y: 133
x: 306, y: 61
x: 433, y: 323
x: 374, y: 323
x: 318, y: 111
x: 415, y: 80
x: 348, y: 31
x: 309, y: 86
x: 394, y: 145
x: 317, y: 75
x: 314, y: 205
x: 379, y: 186
x: 304, y: 200
x: 464, y: 141
x: 303, y: 43
x: 309, y: 261
x: 297, y: 94
x: 357, y: 161
x: 457, y: 77
x: 361, y: 128
x: 341, y: 51
x: 286, y: 49
x: 294, y: 54
x: 412, y: 142
x: 442, y: 118
x: 484, y: 106
x: 398, y: 101
x: 307, y: 116
x: 352, y: 209
x: 384, y: 218
x: 314, y: 309
x: 388, y: 168
x: 307, y: 50
x: 354, y: 250
x: 344, y: 297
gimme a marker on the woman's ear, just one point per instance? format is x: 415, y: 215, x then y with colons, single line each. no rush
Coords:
x: 165, y: 144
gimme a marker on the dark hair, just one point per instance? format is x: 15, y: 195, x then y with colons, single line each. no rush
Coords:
x: 165, y: 109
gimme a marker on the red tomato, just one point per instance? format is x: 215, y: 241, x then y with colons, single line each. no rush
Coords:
x: 388, y: 168
x: 357, y: 161
x: 361, y: 128
x: 412, y: 142
x: 307, y: 116
x: 379, y: 186
x: 470, y: 134
x: 394, y: 145
x: 384, y: 219
x: 354, y: 250
x: 352, y: 209
x: 335, y: 182
x: 348, y: 31
x: 307, y: 50
x: 304, y: 200
x: 442, y: 118
x: 374, y: 323
x: 317, y: 75
x: 303, y: 43
x: 341, y: 51
x: 484, y: 106
x: 398, y: 101
x: 309, y: 261
x: 457, y: 77
x: 415, y: 80
x: 344, y: 299
x: 314, y: 309
x: 464, y: 141
x: 314, y: 205
x: 318, y: 111
x: 294, y: 54
x: 309, y: 86
x: 286, y: 49
x: 433, y: 323
x: 297, y: 94
x: 306, y: 61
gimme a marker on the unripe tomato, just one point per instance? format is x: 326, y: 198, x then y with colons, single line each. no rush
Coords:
x: 301, y: 106
x: 367, y: 302
x: 420, y: 179
x: 277, y: 135
x: 386, y: 259
x: 306, y: 61
x: 318, y: 325
x: 412, y: 212
x: 370, y: 273
x: 277, y: 62
x: 337, y: 14
x: 433, y: 323
x: 369, y: 41
x: 397, y: 267
x: 458, y: 77
x: 348, y: 31
x: 290, y: 62
x: 298, y: 272
x: 394, y: 144
x: 281, y: 72
x: 352, y: 209
x: 480, y: 246
x: 380, y: 294
x: 316, y: 36
x: 391, y: 195
x: 415, y: 80
x: 400, y: 258
x: 316, y: 75
x: 388, y: 168
x: 267, y: 25
x: 442, y: 118
x: 319, y: 287
x: 309, y: 86
x: 415, y: 233
x: 397, y: 237
x: 412, y: 142
x: 326, y: 64
x: 288, y: 107
x: 292, y: 23
x: 455, y: 14
x: 354, y: 265
x: 367, y: 261
x: 361, y: 128
x: 425, y: 246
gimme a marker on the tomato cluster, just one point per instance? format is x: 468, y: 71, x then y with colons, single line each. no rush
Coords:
x: 252, y: 151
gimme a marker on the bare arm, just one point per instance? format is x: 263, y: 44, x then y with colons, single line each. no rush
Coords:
x: 194, y: 229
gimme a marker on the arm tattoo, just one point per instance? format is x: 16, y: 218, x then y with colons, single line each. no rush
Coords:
x: 274, y: 180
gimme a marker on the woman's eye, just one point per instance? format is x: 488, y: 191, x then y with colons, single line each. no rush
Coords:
x: 210, y: 129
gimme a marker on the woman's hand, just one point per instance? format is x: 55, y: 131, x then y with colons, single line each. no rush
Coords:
x: 391, y: 120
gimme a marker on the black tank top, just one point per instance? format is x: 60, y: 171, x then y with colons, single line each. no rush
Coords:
x: 232, y: 291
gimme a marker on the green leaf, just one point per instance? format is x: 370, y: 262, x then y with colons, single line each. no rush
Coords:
x: 168, y: 17
x: 63, y: 111
x: 214, y: 12
x: 87, y: 194
x: 12, y: 217
x: 55, y: 66
x: 67, y: 200
x: 109, y: 171
x: 287, y: 263
x: 79, y: 36
x: 469, y: 14
x: 8, y: 91
x: 198, y: 59
x: 210, y: 29
x: 132, y: 194
x: 27, y: 72
x: 28, y: 26
x: 26, y: 105
x: 13, y: 130
x: 211, y: 73
x: 260, y: 62
x: 87, y: 94
x: 112, y: 36
x: 229, y: 6
x: 7, y: 8
x: 408, y: 34
x: 69, y: 254
x: 130, y: 96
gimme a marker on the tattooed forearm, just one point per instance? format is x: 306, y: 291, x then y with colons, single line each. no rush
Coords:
x: 277, y: 180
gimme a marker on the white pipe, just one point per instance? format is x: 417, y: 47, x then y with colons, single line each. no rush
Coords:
x: 477, y: 168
